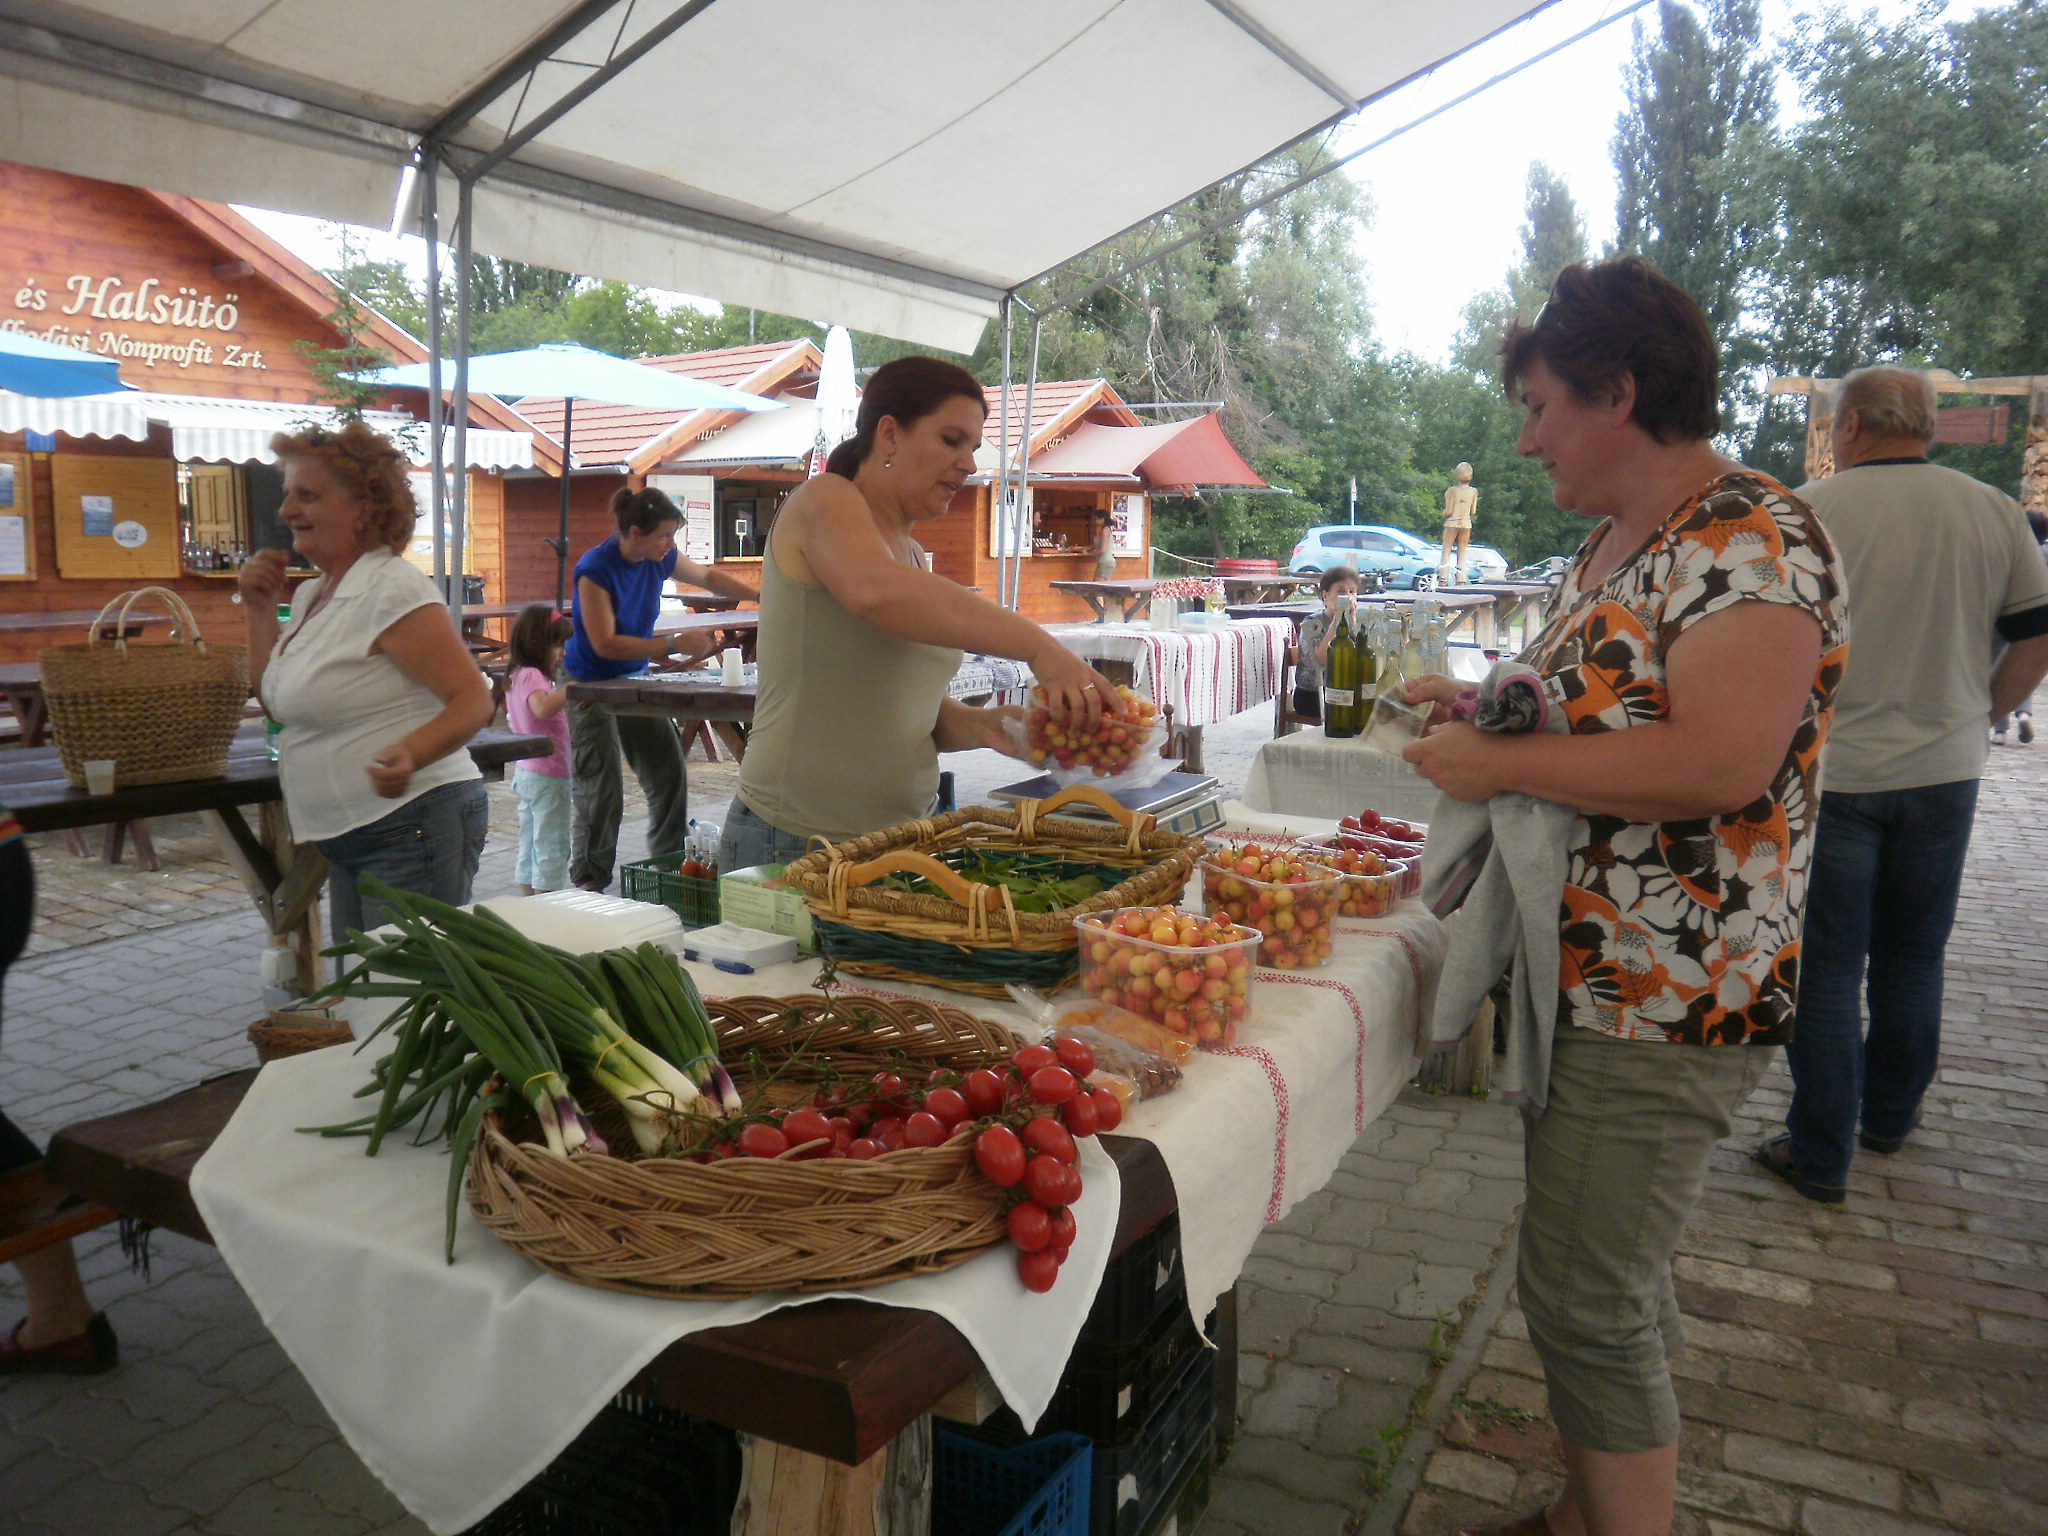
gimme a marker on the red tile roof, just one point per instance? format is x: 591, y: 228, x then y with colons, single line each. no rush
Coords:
x: 625, y: 434
x: 1056, y: 406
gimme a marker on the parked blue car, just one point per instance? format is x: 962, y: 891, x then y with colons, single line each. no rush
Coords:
x: 1405, y: 559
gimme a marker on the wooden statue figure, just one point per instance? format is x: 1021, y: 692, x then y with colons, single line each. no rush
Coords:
x: 1461, y: 500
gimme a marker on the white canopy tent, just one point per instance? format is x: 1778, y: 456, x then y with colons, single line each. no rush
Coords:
x: 898, y: 191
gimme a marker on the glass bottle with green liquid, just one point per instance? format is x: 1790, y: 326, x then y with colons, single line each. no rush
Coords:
x: 273, y: 730
x: 1341, y: 714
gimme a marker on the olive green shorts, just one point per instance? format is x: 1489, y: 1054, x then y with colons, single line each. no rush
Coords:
x: 1616, y: 1163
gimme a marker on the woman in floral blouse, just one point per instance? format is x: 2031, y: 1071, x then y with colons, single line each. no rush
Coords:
x: 1694, y: 646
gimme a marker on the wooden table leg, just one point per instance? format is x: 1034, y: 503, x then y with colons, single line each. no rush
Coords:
x: 1134, y: 607
x: 734, y: 735
x: 283, y: 878
x: 785, y: 1492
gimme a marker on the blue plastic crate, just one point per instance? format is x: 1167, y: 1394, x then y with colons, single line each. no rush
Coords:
x: 1039, y: 1488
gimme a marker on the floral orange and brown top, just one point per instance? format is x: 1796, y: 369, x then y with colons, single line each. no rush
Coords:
x: 1688, y: 931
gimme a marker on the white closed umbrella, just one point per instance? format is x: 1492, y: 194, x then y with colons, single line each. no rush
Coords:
x: 838, y: 397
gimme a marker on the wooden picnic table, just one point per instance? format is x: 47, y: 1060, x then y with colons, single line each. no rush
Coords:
x: 21, y: 684
x: 1515, y: 605
x: 1134, y: 597
x: 283, y: 878
x: 830, y: 1383
x: 1274, y: 588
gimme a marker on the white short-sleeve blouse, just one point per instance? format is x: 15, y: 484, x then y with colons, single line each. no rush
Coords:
x: 342, y: 702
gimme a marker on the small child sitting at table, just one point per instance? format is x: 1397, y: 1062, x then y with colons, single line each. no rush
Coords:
x: 1339, y: 586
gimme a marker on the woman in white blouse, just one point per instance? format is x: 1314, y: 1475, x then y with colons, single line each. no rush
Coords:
x: 375, y: 689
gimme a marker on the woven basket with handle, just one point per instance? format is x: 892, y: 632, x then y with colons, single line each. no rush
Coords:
x: 162, y: 712
x: 672, y: 1227
x: 974, y: 939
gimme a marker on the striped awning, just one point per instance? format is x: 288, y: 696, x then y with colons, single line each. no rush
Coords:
x: 212, y: 431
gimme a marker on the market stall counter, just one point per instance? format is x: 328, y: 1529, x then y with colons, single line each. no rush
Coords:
x: 311, y: 1229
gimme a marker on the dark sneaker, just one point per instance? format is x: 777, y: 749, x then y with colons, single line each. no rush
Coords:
x: 2026, y: 730
x: 1775, y: 1156
x: 83, y: 1354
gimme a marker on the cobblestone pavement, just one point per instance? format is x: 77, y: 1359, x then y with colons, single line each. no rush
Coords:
x: 1874, y: 1370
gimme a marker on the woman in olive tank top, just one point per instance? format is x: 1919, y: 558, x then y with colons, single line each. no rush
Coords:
x: 859, y: 639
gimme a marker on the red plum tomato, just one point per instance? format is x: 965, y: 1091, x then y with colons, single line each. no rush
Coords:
x: 999, y: 1155
x: 1030, y: 1226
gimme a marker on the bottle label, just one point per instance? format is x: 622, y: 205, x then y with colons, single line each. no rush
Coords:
x: 1338, y: 698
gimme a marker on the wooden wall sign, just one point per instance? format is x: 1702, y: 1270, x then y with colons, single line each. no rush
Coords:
x: 1985, y: 424
x: 115, y: 518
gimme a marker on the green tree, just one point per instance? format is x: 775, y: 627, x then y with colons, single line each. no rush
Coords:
x: 334, y: 369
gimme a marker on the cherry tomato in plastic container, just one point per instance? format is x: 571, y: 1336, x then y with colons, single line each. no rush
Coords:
x: 999, y: 1155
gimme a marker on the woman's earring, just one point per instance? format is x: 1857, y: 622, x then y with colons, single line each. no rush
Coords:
x: 888, y: 461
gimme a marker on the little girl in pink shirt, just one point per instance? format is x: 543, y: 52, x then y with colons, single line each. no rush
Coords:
x: 534, y: 707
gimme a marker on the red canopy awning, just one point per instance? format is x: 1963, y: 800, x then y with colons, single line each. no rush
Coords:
x: 1175, y: 453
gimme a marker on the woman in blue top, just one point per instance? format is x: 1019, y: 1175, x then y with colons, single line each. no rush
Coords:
x: 618, y: 599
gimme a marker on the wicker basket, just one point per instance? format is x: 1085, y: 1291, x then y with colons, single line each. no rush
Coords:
x: 670, y: 1227
x: 296, y: 1030
x: 162, y: 713
x: 974, y: 940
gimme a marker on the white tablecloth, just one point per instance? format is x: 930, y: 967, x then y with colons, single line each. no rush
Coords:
x: 1308, y: 774
x: 456, y: 1384
x: 1207, y: 675
x: 996, y: 678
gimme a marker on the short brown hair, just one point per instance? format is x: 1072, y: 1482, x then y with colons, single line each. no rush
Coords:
x: 1620, y: 317
x: 368, y: 466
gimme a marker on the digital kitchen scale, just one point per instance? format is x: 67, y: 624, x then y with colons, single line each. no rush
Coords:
x: 1186, y: 803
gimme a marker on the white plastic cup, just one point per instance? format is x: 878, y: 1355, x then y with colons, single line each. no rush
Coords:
x: 99, y: 775
x: 734, y: 669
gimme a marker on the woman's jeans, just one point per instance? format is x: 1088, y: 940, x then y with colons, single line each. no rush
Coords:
x: 748, y: 841
x: 17, y: 908
x: 429, y: 846
x: 543, y: 861
x: 1887, y: 871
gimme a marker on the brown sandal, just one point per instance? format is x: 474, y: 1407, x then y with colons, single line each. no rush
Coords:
x: 1534, y: 1523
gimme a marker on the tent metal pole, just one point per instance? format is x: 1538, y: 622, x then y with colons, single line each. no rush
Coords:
x: 1025, y: 530
x: 562, y: 541
x: 461, y: 479
x: 999, y: 505
x: 437, y: 449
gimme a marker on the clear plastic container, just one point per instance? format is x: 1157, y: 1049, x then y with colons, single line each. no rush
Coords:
x: 1293, y: 911
x: 1373, y: 882
x: 1201, y: 991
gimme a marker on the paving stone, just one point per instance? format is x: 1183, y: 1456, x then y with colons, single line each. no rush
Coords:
x: 1748, y: 1282
x: 334, y: 1475
x: 1294, y: 1469
x: 1436, y: 1292
x: 1257, y: 1506
x: 1436, y: 1189
x: 1362, y: 1418
x: 96, y: 1506
x: 1742, y: 1410
x: 1743, y: 1498
x: 1269, y: 1320
x: 1477, y: 1475
x: 1367, y: 1361
x: 1991, y: 1509
x: 1273, y: 1275
x: 1375, y: 1280
x: 1293, y: 1401
x: 1805, y: 1467
x: 265, y: 1509
x: 1824, y: 1517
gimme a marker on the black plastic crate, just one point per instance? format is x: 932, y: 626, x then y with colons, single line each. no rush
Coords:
x: 1038, y: 1488
x: 1140, y: 1286
x: 691, y: 897
x: 1181, y: 1509
x: 1110, y: 1389
x: 1134, y: 1481
x: 638, y: 1469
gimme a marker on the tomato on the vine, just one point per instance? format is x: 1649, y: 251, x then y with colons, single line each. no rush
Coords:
x: 1042, y: 1133
x: 1075, y: 1055
x: 1052, y: 1085
x: 949, y: 1104
x: 1045, y: 1180
x: 1070, y: 1177
x: 1063, y: 1229
x: 999, y: 1155
x: 1033, y: 1057
x: 865, y: 1147
x: 763, y: 1141
x: 1109, y: 1110
x: 1038, y: 1270
x: 1081, y: 1115
x: 802, y: 1125
x: 1030, y: 1226
x: 983, y: 1088
x: 924, y: 1129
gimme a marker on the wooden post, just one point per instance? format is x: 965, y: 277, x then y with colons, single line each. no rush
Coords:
x: 1820, y: 432
x: 787, y: 1492
x: 2034, y: 462
x: 1468, y: 1066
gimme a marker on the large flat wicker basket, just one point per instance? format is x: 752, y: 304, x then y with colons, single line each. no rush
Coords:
x: 670, y: 1227
x: 974, y: 939
x: 161, y: 712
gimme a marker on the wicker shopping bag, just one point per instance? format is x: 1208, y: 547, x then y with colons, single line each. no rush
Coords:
x: 162, y: 711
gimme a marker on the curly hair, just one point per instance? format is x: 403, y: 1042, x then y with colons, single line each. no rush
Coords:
x: 368, y: 466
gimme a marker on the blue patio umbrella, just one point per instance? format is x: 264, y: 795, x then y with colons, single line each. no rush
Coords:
x: 42, y: 368
x: 566, y: 372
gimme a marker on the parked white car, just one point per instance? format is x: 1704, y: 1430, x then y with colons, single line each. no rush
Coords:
x: 1484, y: 564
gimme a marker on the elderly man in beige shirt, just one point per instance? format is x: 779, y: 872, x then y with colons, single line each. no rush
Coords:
x: 1940, y: 568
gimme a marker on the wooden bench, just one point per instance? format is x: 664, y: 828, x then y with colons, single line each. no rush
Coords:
x: 35, y: 1213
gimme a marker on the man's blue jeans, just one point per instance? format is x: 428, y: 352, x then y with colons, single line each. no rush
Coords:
x: 1887, y: 869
